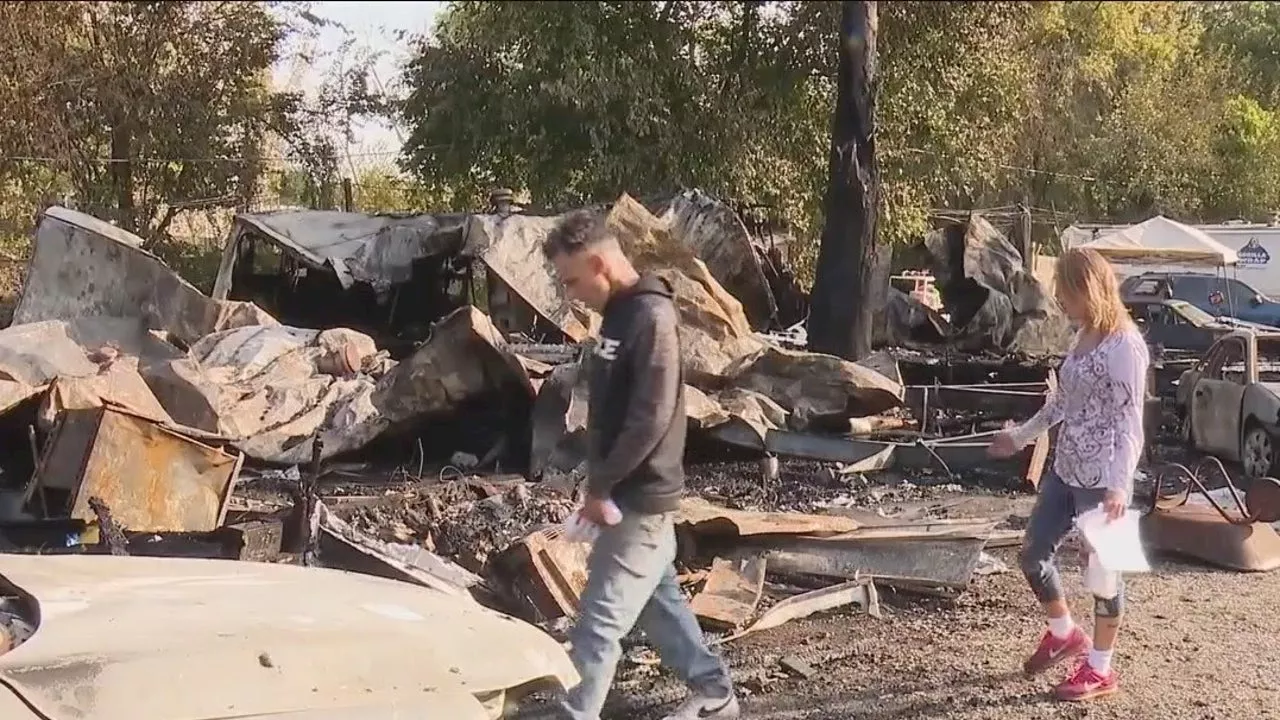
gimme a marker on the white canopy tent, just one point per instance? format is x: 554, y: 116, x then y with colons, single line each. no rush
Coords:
x: 1163, y: 245
x: 1161, y: 241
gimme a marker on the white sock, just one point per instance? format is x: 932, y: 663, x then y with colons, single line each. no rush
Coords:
x: 1060, y: 627
x: 1100, y: 660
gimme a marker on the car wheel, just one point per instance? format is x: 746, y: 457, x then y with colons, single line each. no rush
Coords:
x: 1257, y: 453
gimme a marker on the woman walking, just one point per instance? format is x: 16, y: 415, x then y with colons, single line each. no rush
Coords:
x: 1099, y: 403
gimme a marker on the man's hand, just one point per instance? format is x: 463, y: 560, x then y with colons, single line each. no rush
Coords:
x: 1115, y: 504
x: 596, y: 510
x: 1002, y: 445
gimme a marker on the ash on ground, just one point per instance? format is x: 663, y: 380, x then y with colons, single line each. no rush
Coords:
x: 461, y: 522
x: 806, y: 486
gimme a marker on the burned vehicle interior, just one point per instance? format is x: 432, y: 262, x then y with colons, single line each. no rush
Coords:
x: 1227, y: 361
x: 397, y: 314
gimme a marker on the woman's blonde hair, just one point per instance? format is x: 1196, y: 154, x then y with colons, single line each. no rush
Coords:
x: 1084, y: 275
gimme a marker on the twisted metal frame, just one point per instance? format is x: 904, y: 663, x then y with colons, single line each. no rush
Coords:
x: 1263, y: 491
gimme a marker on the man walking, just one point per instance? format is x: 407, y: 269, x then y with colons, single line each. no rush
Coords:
x: 635, y: 435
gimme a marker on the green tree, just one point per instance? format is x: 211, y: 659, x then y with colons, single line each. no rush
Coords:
x: 140, y: 109
x: 579, y: 105
x: 1248, y: 34
x: 1245, y: 178
x: 1112, y: 110
x: 149, y: 100
x: 381, y: 189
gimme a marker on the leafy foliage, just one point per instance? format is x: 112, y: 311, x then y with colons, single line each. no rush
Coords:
x: 578, y: 105
x: 139, y: 110
x: 1099, y: 110
x: 147, y: 98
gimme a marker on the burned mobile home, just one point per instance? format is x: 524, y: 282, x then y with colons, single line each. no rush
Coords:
x: 392, y: 276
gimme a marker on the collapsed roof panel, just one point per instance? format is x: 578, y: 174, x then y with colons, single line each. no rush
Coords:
x: 993, y: 302
x: 376, y: 249
x: 82, y: 267
x: 380, y: 250
x: 717, y: 235
x: 511, y: 247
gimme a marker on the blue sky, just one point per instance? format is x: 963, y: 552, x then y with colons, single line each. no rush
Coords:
x: 372, y: 27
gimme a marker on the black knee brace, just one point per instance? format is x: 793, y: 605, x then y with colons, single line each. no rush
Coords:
x: 1108, y: 607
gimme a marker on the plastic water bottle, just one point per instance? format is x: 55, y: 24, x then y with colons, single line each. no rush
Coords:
x: 1099, y: 581
x: 578, y: 529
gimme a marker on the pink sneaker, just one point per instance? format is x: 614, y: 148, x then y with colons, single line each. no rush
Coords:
x: 1052, y: 651
x: 1086, y: 684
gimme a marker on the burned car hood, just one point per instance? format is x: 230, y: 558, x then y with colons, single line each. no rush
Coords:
x: 1227, y: 321
x: 128, y: 638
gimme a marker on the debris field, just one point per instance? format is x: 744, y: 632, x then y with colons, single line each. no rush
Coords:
x: 837, y: 513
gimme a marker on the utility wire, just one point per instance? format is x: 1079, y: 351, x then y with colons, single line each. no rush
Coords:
x: 1018, y: 168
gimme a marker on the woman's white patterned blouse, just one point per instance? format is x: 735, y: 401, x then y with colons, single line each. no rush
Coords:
x: 1099, y: 401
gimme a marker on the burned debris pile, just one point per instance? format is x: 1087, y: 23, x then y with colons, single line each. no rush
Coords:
x: 990, y: 302
x: 400, y: 396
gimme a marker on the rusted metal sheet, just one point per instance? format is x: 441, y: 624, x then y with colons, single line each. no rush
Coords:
x: 1202, y: 533
x: 152, y: 478
x: 1239, y: 538
x: 549, y: 572
x: 731, y: 594
x: 940, y: 555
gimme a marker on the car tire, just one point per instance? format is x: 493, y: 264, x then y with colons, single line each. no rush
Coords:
x: 1257, y: 451
x: 1184, y: 430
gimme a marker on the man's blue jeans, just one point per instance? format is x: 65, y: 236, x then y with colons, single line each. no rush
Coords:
x: 631, y: 581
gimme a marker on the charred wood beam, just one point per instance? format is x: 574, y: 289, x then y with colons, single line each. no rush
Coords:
x: 842, y: 311
x: 109, y: 532
x: 300, y: 534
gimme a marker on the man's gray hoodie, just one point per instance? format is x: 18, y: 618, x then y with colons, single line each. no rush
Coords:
x: 636, y: 422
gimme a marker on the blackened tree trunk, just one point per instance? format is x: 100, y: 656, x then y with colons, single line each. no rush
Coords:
x: 842, y: 309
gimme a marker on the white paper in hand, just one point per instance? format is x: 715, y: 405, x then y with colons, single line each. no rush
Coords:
x: 1116, y: 543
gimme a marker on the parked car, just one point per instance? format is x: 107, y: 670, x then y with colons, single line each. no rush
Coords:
x: 145, y: 638
x: 1179, y: 325
x: 1230, y: 401
x: 1218, y: 296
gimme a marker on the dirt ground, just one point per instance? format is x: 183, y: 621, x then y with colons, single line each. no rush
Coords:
x: 1198, y: 643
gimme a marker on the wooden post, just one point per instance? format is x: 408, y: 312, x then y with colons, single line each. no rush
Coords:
x: 1025, y: 244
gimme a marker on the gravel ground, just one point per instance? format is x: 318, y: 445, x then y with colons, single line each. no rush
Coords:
x: 1198, y: 643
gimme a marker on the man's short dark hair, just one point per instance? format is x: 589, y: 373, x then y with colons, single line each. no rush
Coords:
x: 576, y: 232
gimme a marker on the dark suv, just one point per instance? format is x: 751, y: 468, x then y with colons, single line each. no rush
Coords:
x: 1218, y: 296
